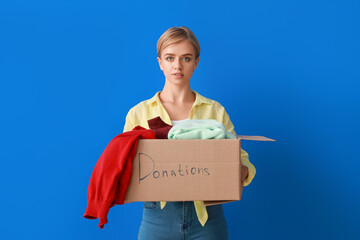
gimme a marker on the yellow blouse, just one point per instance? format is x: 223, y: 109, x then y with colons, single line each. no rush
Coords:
x: 203, y: 108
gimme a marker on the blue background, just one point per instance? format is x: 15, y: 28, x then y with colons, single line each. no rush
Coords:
x: 288, y: 70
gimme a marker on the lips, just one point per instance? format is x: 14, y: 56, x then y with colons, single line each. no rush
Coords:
x: 178, y: 74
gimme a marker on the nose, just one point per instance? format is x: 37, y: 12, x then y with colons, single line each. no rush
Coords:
x: 178, y: 64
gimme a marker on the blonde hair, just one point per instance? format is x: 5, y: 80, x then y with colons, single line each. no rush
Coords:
x: 175, y: 35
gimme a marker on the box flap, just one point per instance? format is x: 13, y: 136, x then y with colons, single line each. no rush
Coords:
x: 254, y: 138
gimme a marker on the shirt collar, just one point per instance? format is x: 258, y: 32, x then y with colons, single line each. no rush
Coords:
x: 198, y: 100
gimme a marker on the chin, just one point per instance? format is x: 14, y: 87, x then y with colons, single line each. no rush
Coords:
x: 179, y: 83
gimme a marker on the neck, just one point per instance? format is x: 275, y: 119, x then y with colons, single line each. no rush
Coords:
x: 177, y: 94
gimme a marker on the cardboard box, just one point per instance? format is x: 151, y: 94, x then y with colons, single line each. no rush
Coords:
x: 187, y: 170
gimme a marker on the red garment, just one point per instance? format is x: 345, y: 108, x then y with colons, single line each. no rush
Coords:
x: 160, y: 128
x: 111, y: 176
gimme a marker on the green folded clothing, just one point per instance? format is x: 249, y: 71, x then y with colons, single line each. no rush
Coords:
x: 199, y: 129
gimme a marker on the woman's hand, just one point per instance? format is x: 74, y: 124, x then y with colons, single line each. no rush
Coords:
x: 244, y: 174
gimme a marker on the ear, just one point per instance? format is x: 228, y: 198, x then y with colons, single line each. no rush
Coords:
x: 160, y: 63
x: 196, y: 62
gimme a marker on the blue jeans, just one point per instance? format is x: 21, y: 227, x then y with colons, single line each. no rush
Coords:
x: 178, y: 221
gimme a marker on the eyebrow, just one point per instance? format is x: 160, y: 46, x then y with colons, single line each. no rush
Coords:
x: 171, y: 54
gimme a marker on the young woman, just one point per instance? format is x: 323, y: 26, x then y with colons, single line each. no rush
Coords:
x: 178, y: 56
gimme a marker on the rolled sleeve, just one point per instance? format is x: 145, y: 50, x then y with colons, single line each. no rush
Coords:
x: 129, y: 121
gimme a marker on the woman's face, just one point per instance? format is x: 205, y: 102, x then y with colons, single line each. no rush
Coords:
x: 178, y: 62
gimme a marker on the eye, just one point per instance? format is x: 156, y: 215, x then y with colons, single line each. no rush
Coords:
x: 168, y: 58
x: 186, y: 59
